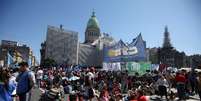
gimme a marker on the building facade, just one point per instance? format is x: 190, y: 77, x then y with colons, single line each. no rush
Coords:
x: 91, y: 51
x: 12, y: 53
x: 167, y: 52
x: 153, y: 55
x: 92, y: 32
x: 61, y: 45
x: 89, y: 55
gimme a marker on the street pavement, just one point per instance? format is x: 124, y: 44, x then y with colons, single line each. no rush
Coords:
x: 157, y: 98
x: 36, y: 96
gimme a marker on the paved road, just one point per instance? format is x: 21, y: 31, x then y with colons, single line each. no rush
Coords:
x: 157, y: 98
x: 36, y: 95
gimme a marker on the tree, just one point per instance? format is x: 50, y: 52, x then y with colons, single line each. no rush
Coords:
x: 49, y: 62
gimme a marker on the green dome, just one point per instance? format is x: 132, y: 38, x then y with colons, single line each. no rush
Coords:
x: 93, y: 22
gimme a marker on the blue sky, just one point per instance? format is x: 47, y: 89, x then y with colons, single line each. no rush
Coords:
x: 26, y: 21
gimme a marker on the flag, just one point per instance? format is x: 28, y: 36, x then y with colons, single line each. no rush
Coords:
x: 30, y: 61
x: 10, y: 59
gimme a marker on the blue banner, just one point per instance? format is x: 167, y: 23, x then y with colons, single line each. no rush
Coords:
x: 10, y: 59
x: 120, y: 52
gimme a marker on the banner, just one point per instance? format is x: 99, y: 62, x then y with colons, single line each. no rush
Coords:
x: 112, y: 66
x: 121, y: 52
x: 154, y: 67
x: 10, y: 59
x: 140, y: 68
x: 133, y: 67
x: 144, y: 66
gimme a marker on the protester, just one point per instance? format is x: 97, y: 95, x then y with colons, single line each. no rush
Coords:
x: 25, y: 81
x: 118, y: 97
x: 56, y: 92
x: 90, y: 84
x: 131, y: 96
x: 7, y: 86
x: 67, y: 87
x: 192, y: 80
x: 181, y: 80
x: 91, y: 75
x: 141, y: 96
x: 88, y: 89
x: 162, y: 86
x: 199, y: 84
x: 104, y: 95
x: 39, y: 77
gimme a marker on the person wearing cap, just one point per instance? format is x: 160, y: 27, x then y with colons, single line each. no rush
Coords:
x: 25, y: 81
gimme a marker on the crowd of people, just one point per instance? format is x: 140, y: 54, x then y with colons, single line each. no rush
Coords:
x: 91, y: 84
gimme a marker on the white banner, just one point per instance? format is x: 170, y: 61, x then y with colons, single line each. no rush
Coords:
x: 112, y: 66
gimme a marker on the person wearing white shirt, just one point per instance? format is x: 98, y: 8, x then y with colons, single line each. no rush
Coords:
x: 162, y: 86
x: 39, y: 76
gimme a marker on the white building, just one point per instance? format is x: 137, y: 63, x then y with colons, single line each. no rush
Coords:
x: 63, y: 46
x: 91, y: 51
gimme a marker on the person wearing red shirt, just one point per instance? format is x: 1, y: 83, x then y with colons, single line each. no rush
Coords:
x: 141, y: 96
x: 181, y: 80
x: 104, y: 95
